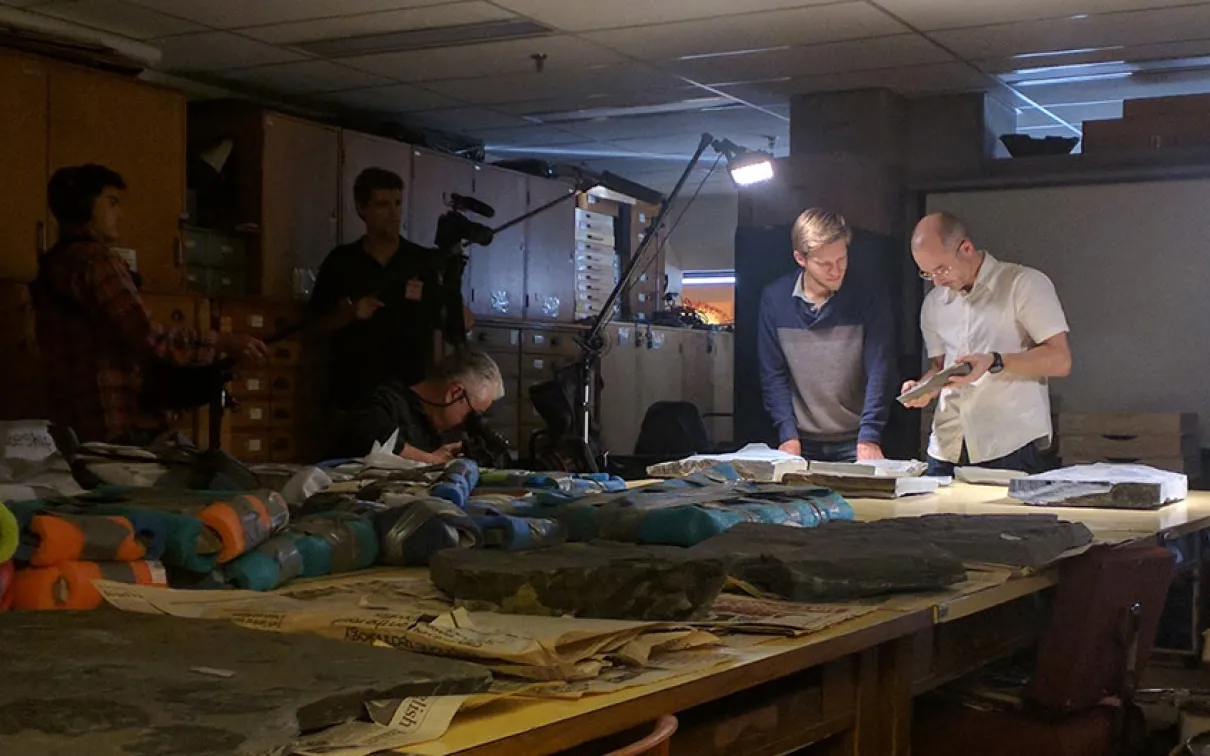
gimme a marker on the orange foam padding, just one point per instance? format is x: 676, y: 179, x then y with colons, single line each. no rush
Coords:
x: 7, y: 571
x: 245, y: 522
x: 72, y: 538
x: 69, y: 585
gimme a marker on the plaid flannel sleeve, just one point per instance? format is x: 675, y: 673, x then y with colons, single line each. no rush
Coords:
x: 111, y: 292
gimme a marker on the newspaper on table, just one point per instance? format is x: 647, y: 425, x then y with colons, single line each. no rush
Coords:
x: 396, y: 724
x: 751, y: 614
x: 551, y: 643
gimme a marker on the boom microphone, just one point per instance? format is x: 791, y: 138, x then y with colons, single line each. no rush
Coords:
x: 470, y: 204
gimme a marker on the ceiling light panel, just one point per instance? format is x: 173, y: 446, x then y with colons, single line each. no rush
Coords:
x: 933, y: 15
x: 801, y: 26
x: 573, y: 16
x: 836, y: 57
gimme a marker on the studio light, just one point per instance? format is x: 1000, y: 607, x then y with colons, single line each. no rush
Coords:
x: 746, y: 166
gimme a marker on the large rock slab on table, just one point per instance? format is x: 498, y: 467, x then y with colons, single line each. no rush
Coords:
x: 1026, y: 540
x: 831, y: 564
x: 1103, y: 486
x: 110, y: 683
x: 603, y: 580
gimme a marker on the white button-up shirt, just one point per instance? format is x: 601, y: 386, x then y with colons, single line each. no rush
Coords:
x: 1010, y: 308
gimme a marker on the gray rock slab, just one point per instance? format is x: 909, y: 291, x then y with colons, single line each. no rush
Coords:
x: 831, y: 564
x: 602, y: 580
x: 110, y: 683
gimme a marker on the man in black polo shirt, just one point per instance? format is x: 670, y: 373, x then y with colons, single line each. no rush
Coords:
x: 387, y: 337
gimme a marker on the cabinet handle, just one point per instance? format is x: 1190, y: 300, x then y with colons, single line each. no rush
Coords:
x: 40, y: 231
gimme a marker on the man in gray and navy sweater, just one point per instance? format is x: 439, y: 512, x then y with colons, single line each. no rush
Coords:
x: 827, y: 351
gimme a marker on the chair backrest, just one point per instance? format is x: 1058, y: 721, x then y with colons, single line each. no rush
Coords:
x: 672, y: 430
x: 655, y: 744
x: 1103, y: 626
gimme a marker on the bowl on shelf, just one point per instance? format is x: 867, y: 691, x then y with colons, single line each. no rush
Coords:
x: 1023, y: 145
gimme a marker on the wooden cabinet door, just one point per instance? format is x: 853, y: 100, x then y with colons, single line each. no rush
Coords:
x: 299, y: 205
x: 621, y: 414
x: 497, y: 273
x: 660, y: 370
x: 138, y: 130
x: 360, y: 151
x: 550, y: 259
x: 722, y: 368
x: 435, y: 177
x: 23, y: 212
x: 697, y: 379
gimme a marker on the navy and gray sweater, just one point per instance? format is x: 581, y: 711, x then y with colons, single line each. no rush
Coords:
x: 829, y: 374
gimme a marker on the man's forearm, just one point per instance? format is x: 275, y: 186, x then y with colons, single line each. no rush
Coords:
x: 1043, y: 361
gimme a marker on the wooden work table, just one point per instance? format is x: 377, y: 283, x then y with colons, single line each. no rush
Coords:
x: 848, y: 688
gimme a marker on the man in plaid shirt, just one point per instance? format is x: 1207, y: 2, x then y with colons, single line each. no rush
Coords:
x: 94, y: 334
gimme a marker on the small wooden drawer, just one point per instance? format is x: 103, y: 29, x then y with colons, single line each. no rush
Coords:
x: 539, y: 342
x: 282, y: 447
x: 252, y: 414
x: 260, y: 319
x: 250, y: 447
x: 284, y: 383
x: 1125, y: 446
x: 287, y: 353
x: 495, y: 338
x: 250, y: 385
x: 538, y: 369
x: 177, y: 311
x: 1121, y: 424
x: 291, y: 412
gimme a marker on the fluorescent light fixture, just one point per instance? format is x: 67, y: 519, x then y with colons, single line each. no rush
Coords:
x: 1072, y: 79
x: 721, y: 280
x: 1068, y: 67
x: 730, y: 53
x: 1073, y: 51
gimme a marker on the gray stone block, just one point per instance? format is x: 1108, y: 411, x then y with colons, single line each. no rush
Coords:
x: 110, y: 683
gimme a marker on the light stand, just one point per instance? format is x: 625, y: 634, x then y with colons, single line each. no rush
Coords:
x: 592, y: 343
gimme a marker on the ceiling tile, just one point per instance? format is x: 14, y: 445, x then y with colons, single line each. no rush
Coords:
x: 215, y: 51
x: 802, y: 26
x: 117, y: 17
x: 572, y: 103
x: 466, y: 118
x: 233, y: 14
x: 525, y: 136
x: 1158, y: 51
x: 25, y: 3
x: 564, y: 53
x: 383, y: 22
x: 305, y: 77
x: 1143, y: 27
x: 525, y: 87
x: 907, y: 80
x: 931, y: 15
x: 397, y: 98
x: 571, y: 16
x: 836, y: 57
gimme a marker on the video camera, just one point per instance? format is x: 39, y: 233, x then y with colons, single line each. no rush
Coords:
x: 454, y: 229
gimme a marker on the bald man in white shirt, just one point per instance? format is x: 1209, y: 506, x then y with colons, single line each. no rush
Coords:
x: 1006, y: 322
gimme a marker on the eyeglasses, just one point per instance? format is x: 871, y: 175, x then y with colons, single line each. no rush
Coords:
x: 943, y: 270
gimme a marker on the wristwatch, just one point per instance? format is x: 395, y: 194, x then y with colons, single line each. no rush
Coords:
x: 997, y: 363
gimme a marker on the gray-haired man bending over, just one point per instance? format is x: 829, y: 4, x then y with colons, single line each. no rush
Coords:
x: 463, y: 383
